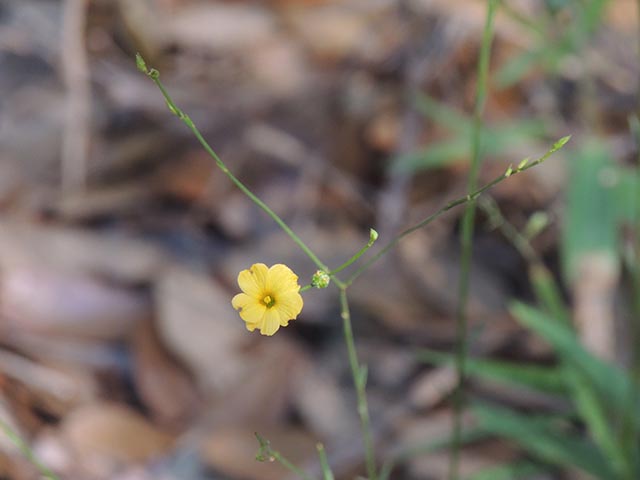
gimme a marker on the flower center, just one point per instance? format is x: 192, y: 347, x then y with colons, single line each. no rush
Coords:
x: 269, y: 301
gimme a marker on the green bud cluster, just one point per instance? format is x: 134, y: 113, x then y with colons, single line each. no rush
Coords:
x: 320, y: 279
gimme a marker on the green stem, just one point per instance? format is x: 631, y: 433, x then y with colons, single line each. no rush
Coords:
x: 266, y: 453
x: 155, y: 76
x: 290, y: 466
x: 467, y: 239
x: 452, y: 204
x: 327, y: 474
x: 517, y: 239
x: 373, y: 236
x: 544, y: 284
x: 635, y: 270
x: 26, y: 451
x: 339, y: 283
x: 359, y: 374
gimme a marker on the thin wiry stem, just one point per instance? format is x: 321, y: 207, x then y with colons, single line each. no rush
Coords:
x: 467, y: 239
x: 373, y: 236
x: 327, y: 474
x: 155, y: 76
x: 26, y: 451
x: 266, y: 453
x: 359, y: 374
x: 524, y: 165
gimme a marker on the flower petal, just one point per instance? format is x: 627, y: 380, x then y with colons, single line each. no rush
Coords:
x: 281, y: 279
x: 270, y: 323
x: 251, y: 311
x: 251, y: 326
x: 289, y: 305
x: 253, y: 281
x: 241, y: 301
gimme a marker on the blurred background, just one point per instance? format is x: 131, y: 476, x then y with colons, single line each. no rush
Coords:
x: 120, y: 243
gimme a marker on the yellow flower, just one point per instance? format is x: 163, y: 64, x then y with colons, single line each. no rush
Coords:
x: 270, y: 297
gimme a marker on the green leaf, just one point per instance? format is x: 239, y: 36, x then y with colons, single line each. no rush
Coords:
x: 431, y: 445
x: 517, y: 68
x: 443, y: 115
x: 548, y: 293
x: 591, y: 224
x: 495, y: 141
x: 611, y: 383
x: 593, y: 412
x: 544, y: 379
x: 545, y: 440
x: 627, y: 195
x: 520, y: 469
x: 435, y: 155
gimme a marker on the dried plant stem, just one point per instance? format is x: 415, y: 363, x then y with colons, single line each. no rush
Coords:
x: 75, y: 140
x: 467, y: 228
x: 359, y: 373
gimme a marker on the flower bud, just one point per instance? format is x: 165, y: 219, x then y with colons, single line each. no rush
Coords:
x: 320, y: 279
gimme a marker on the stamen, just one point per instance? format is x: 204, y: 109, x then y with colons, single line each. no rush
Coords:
x: 268, y: 301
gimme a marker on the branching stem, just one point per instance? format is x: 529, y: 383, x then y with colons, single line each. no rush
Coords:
x: 452, y: 204
x: 358, y: 371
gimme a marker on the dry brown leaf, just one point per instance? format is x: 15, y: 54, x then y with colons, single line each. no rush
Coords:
x: 334, y: 31
x: 279, y: 66
x: 55, y: 302
x: 164, y: 388
x: 198, y: 324
x: 74, y: 250
x: 111, y: 199
x: 262, y: 394
x: 594, y: 294
x: 321, y: 403
x: 219, y: 26
x: 623, y: 15
x: 384, y: 293
x: 57, y: 389
x: 190, y: 179
x: 432, y: 387
x: 108, y: 436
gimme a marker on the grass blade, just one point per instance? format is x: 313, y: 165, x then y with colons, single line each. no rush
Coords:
x: 546, y: 441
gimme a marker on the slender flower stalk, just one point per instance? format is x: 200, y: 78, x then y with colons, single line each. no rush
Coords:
x: 327, y: 474
x: 523, y: 166
x: 467, y: 228
x: 373, y: 236
x: 154, y: 75
x: 359, y: 373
